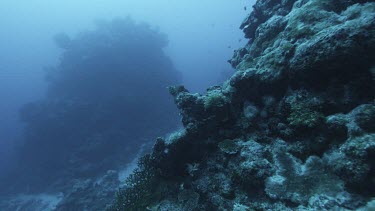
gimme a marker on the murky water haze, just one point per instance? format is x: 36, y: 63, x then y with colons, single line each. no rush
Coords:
x: 202, y: 36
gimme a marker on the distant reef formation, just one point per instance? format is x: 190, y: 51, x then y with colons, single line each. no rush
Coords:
x: 99, y: 109
x: 292, y: 129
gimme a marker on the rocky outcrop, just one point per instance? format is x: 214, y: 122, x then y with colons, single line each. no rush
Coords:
x: 292, y: 129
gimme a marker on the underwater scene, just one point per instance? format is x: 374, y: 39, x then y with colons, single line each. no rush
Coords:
x: 188, y: 105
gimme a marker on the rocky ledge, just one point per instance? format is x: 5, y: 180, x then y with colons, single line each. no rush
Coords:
x: 292, y: 129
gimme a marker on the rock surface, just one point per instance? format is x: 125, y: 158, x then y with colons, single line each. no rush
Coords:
x: 292, y: 129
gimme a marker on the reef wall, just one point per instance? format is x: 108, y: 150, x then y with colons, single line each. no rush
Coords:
x: 292, y: 129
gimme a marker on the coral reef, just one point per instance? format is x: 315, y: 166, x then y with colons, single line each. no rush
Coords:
x: 292, y: 129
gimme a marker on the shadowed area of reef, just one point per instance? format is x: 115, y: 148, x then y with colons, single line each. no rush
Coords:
x: 106, y: 97
x: 292, y: 129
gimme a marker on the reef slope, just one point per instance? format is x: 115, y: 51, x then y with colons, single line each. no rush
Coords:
x: 292, y: 129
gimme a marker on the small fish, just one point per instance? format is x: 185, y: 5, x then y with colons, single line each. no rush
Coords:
x: 245, y: 8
